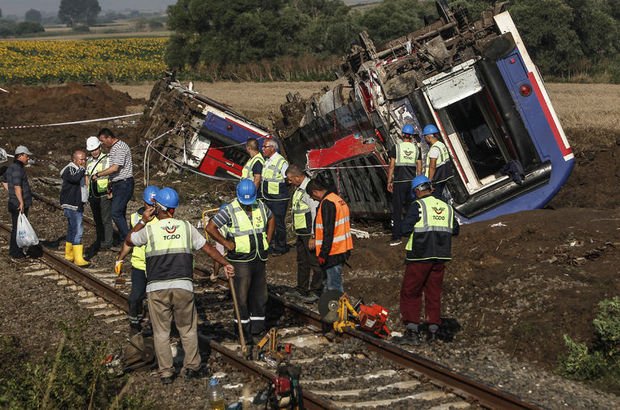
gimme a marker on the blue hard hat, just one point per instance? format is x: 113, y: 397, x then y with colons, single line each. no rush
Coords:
x: 167, y: 197
x: 246, y: 191
x: 149, y: 194
x: 408, y: 129
x: 430, y: 129
x: 420, y: 180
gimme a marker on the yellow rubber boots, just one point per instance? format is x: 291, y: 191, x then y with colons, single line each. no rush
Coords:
x: 78, y: 256
x: 69, y: 251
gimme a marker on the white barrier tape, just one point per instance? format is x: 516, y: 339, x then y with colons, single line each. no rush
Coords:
x: 58, y: 124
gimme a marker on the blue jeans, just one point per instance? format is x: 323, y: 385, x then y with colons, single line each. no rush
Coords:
x: 122, y: 191
x: 334, y: 278
x: 75, y: 229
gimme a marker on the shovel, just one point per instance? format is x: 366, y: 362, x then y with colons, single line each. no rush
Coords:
x: 244, y: 349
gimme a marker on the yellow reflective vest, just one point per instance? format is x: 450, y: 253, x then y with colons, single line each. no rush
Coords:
x: 273, y: 185
x: 406, y: 154
x: 301, y: 212
x: 169, y: 250
x: 432, y: 234
x: 97, y: 165
x: 247, y: 168
x: 249, y: 235
x: 138, y: 258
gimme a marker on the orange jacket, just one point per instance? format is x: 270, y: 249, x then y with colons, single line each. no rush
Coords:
x: 340, y: 241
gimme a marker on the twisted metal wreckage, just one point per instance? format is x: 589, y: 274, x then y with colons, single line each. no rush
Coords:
x: 473, y: 79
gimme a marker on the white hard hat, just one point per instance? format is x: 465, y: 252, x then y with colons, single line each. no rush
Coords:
x: 22, y: 150
x: 92, y: 143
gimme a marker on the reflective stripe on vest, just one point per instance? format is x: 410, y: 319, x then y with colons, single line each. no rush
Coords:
x: 272, y: 176
x: 169, y: 250
x: 247, y: 169
x: 97, y: 165
x: 299, y: 209
x: 406, y: 154
x: 443, y: 157
x: 436, y: 220
x: 342, y: 241
x: 241, y: 228
x: 138, y: 257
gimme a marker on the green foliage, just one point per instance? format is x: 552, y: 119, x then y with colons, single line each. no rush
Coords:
x: 573, y: 39
x: 28, y: 27
x: 72, y: 12
x: 602, y: 360
x: 33, y: 15
x: 241, y: 31
x: 607, y: 324
x: 71, y: 377
x: 579, y: 363
x: 394, y: 18
x: 7, y: 28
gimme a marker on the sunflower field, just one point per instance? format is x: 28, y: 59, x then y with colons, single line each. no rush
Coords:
x: 58, y: 61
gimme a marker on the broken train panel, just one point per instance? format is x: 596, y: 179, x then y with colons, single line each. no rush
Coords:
x: 476, y: 82
x: 191, y: 130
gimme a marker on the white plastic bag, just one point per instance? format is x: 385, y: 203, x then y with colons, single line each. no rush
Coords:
x: 26, y: 236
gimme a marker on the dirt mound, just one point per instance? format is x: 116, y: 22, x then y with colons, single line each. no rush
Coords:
x: 595, y: 179
x: 71, y: 102
x: 26, y: 106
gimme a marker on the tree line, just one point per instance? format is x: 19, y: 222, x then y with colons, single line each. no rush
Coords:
x: 564, y: 37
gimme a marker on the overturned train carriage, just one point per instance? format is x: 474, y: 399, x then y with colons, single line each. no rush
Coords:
x: 475, y: 81
x: 193, y: 131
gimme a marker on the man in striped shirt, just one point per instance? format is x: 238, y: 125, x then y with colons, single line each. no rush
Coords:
x: 120, y: 173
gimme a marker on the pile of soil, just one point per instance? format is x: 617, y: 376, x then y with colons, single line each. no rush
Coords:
x: 27, y: 106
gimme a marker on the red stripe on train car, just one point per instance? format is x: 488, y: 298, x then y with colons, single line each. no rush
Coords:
x: 554, y: 127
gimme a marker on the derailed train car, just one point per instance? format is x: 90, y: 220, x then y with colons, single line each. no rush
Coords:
x: 195, y: 132
x: 475, y: 81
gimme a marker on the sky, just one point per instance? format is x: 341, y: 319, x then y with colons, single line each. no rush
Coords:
x: 19, y: 7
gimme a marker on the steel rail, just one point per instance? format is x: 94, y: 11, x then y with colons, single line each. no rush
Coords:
x: 480, y: 393
x: 121, y: 301
x: 81, y: 277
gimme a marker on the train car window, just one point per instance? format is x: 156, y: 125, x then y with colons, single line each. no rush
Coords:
x: 477, y: 138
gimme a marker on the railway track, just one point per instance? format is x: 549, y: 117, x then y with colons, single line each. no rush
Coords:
x: 359, y: 371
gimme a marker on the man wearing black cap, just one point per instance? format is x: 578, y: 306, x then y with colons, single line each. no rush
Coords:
x: 15, y: 181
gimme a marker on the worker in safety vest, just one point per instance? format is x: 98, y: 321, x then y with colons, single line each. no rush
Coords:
x: 303, y: 210
x: 275, y: 193
x: 430, y: 225
x: 250, y: 226
x: 138, y: 263
x: 332, y: 230
x: 99, y: 194
x: 438, y: 163
x: 253, y: 169
x: 405, y: 164
x: 169, y: 266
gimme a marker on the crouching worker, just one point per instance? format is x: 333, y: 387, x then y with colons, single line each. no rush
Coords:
x: 250, y: 225
x: 138, y: 263
x: 73, y: 196
x: 169, y: 265
x: 430, y: 224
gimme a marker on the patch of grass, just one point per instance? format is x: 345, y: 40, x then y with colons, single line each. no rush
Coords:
x: 601, y: 361
x: 72, y: 376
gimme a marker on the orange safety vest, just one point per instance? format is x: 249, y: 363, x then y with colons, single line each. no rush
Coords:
x: 342, y: 227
